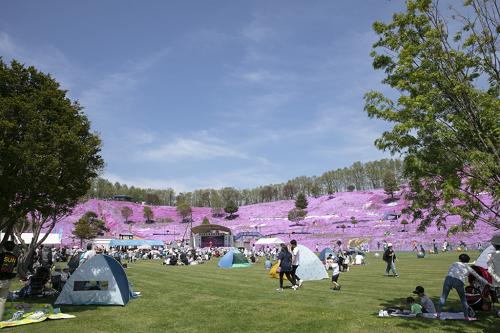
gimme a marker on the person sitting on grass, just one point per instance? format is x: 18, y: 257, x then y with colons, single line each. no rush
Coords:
x: 415, y: 308
x: 456, y: 278
x: 425, y: 301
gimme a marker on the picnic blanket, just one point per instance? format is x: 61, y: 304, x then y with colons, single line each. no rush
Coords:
x: 444, y: 315
x: 17, y: 314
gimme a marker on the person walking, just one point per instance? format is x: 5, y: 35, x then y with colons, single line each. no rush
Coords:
x: 390, y: 258
x: 8, y: 264
x: 456, y: 279
x: 285, y: 267
x: 295, y: 261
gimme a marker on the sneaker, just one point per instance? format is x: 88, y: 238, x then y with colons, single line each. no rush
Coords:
x: 396, y: 275
x: 279, y: 289
x: 470, y: 319
x: 295, y: 287
x: 300, y: 283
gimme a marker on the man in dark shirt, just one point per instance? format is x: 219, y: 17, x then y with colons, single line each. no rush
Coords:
x: 8, y: 264
x: 390, y: 258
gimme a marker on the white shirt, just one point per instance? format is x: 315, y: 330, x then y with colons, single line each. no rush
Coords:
x: 295, y: 256
x: 335, y: 268
x: 460, y: 270
x: 89, y: 254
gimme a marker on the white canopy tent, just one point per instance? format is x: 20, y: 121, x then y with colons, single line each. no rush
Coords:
x: 269, y: 241
x: 52, y: 239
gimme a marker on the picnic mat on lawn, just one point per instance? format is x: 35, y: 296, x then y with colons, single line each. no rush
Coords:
x: 17, y: 314
x: 444, y: 315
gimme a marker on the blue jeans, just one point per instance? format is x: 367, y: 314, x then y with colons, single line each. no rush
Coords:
x: 458, y: 285
x: 391, y: 266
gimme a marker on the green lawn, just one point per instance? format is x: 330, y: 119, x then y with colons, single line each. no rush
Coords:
x: 205, y: 298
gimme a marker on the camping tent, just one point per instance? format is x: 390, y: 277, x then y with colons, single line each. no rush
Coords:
x: 325, y: 252
x: 310, y: 267
x: 233, y: 259
x: 99, y: 281
x: 269, y: 241
x: 482, y: 261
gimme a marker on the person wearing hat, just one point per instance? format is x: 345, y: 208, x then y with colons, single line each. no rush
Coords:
x: 390, y: 258
x: 456, y: 279
x: 494, y: 264
x: 8, y: 264
x: 425, y: 301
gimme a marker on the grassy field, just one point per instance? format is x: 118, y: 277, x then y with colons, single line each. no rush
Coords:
x: 205, y: 298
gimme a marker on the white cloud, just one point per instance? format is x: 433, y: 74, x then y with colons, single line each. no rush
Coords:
x: 257, y: 31
x: 97, y: 99
x: 191, y: 148
x: 45, y: 58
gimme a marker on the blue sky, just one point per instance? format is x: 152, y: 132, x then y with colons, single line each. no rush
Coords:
x: 198, y: 94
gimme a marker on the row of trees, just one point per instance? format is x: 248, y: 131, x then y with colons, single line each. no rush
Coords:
x: 359, y: 176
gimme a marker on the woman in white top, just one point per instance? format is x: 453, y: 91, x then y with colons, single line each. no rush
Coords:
x: 456, y: 278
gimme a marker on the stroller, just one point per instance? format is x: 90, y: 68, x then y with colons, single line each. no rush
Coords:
x: 481, y: 297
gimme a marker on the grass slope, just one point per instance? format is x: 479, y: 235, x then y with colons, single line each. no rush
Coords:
x: 205, y: 298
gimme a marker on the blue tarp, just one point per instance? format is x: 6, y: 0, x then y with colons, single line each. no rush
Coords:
x: 135, y: 242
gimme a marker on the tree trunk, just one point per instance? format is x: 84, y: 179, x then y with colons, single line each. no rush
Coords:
x: 25, y: 262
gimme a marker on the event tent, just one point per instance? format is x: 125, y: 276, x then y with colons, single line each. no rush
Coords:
x: 310, y: 267
x: 269, y: 241
x: 99, y: 281
x: 233, y: 259
x: 482, y: 261
x: 135, y: 242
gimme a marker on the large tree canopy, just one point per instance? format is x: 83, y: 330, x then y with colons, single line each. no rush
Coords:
x: 48, y: 154
x: 446, y: 118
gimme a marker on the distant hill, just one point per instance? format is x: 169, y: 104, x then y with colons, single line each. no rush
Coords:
x: 322, y: 225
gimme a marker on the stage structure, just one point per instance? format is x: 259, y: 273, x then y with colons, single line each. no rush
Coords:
x: 212, y: 235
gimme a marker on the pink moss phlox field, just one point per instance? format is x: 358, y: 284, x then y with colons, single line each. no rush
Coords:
x: 321, y: 227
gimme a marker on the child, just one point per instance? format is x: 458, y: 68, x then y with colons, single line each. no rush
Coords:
x: 425, y: 301
x: 335, y: 275
x: 415, y: 308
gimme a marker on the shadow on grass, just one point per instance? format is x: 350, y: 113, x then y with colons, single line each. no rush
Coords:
x: 486, y: 321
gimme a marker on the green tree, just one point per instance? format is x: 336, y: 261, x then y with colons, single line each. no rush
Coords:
x: 301, y: 201
x: 289, y: 190
x: 354, y: 221
x: 217, y: 204
x: 390, y: 183
x: 404, y: 222
x: 184, y: 210
x: 296, y: 215
x: 231, y: 208
x: 88, y: 227
x: 48, y: 155
x: 446, y: 119
x: 351, y: 188
x: 126, y: 213
x: 152, y: 199
x: 316, y: 190
x: 343, y: 226
x: 205, y: 220
x: 148, y: 213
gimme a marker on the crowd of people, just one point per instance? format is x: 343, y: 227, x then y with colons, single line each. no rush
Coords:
x: 48, y: 267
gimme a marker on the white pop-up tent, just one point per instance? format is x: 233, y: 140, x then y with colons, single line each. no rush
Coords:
x: 482, y: 261
x: 310, y: 267
x: 269, y: 241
